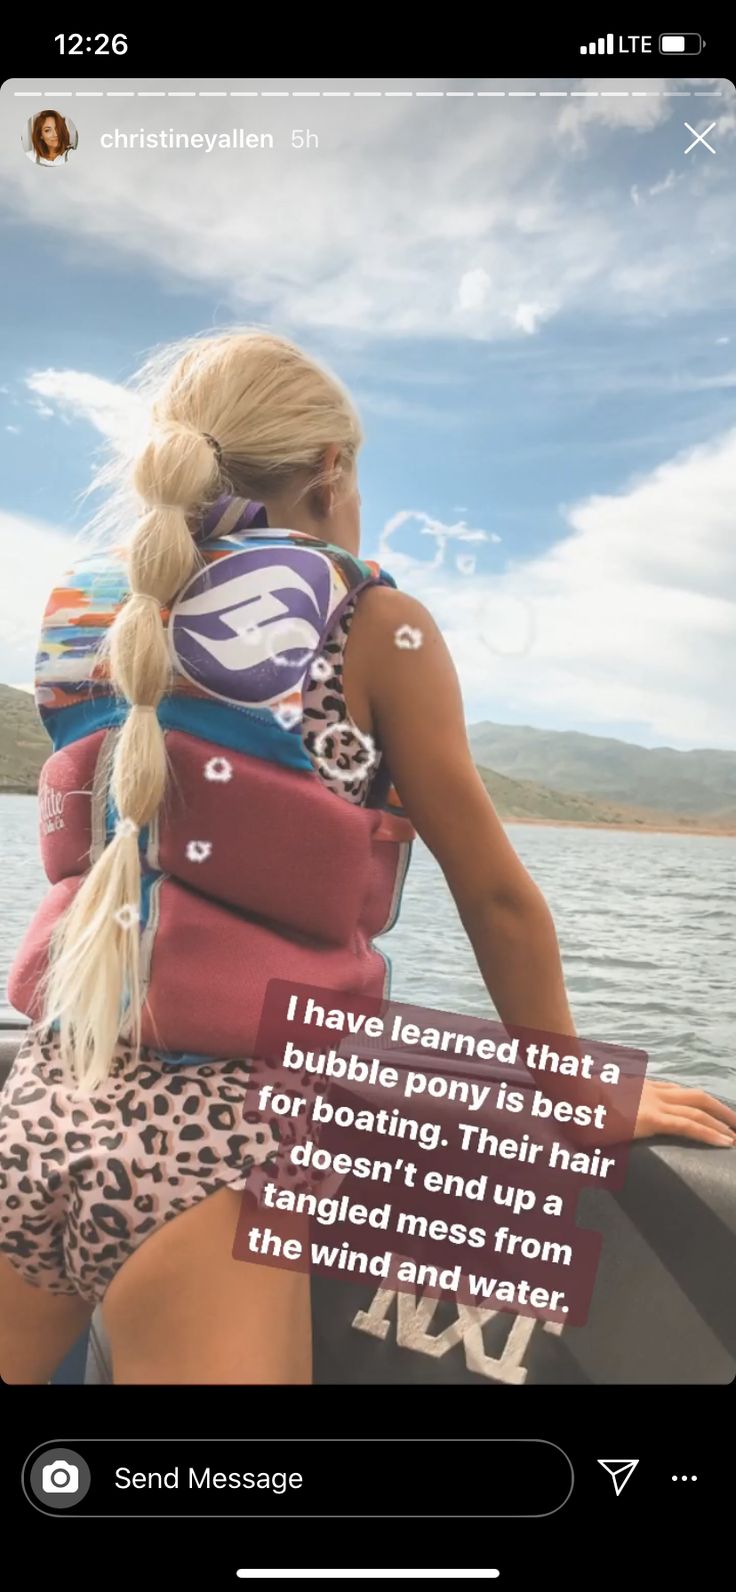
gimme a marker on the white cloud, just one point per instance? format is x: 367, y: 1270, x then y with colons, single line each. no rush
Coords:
x: 665, y: 185
x: 628, y: 618
x: 14, y: 429
x: 449, y: 218
x: 395, y: 407
x: 721, y: 380
x: 726, y: 120
x: 118, y: 415
x: 34, y: 555
x: 528, y: 316
x: 473, y: 290
x: 657, y: 188
x: 603, y: 103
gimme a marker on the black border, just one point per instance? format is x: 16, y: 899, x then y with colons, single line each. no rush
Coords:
x: 391, y: 47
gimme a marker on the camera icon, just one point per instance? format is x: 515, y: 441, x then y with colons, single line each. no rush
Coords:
x: 60, y: 1477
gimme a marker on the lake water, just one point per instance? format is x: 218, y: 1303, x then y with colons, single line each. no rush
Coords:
x: 647, y: 928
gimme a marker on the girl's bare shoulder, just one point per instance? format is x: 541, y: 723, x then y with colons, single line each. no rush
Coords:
x: 385, y: 614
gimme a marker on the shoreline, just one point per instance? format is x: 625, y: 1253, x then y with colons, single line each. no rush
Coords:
x: 629, y: 829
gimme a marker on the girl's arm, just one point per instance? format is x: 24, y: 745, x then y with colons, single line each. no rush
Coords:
x: 410, y: 700
x: 417, y: 716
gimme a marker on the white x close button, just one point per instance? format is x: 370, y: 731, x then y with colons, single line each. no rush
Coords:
x: 700, y: 138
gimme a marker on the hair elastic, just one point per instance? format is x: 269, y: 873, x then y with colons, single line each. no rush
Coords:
x: 213, y: 444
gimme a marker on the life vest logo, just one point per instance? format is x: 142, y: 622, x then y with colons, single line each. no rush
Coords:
x: 50, y: 808
x: 246, y: 628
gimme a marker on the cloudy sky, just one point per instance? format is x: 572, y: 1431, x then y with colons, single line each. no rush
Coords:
x: 529, y: 288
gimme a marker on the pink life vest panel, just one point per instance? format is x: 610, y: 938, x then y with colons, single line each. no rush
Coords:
x: 252, y: 868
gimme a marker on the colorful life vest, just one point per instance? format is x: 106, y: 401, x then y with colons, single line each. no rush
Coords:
x: 252, y: 868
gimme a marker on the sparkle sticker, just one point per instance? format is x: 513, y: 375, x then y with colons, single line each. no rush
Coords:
x: 126, y: 827
x: 321, y: 670
x: 280, y: 659
x: 127, y: 916
x: 287, y: 715
x: 344, y: 776
x: 506, y: 625
x: 218, y: 769
x: 199, y: 850
x: 408, y: 639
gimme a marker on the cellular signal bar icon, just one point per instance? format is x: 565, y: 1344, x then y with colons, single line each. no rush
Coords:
x: 603, y: 47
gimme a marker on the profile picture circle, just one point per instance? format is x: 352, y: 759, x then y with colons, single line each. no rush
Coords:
x: 49, y: 138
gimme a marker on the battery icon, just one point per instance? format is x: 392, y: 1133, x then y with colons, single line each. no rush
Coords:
x: 680, y: 44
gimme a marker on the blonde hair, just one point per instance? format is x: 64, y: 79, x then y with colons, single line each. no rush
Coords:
x: 245, y: 412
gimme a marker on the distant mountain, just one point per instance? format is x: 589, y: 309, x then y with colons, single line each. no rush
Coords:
x: 699, y: 782
x: 24, y: 744
x: 527, y: 802
x: 685, y: 795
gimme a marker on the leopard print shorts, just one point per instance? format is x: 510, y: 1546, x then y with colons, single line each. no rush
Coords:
x: 84, y: 1179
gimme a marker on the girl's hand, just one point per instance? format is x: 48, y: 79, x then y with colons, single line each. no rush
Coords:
x: 684, y: 1113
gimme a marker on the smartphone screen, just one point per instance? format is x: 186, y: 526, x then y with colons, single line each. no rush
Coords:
x: 368, y: 805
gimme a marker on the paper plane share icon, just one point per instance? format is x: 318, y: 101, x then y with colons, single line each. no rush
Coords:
x: 619, y: 1471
